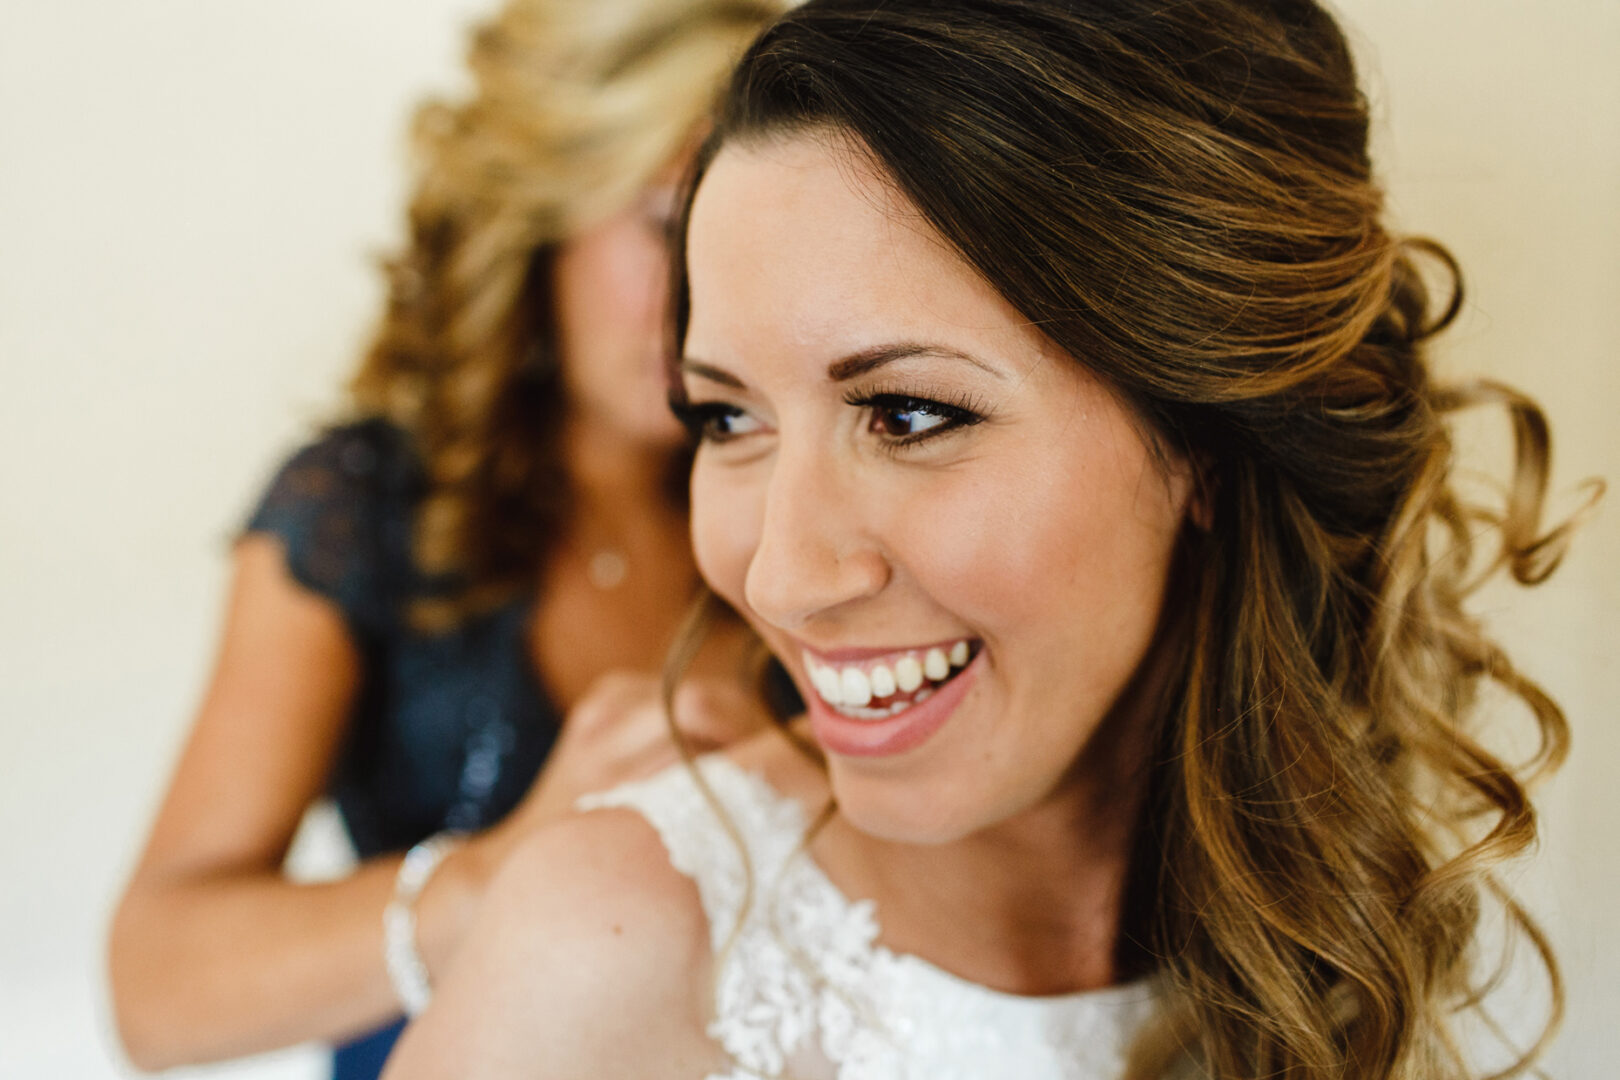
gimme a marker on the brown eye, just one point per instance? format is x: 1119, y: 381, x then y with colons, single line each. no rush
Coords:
x: 901, y: 420
x: 715, y: 421
x: 909, y: 419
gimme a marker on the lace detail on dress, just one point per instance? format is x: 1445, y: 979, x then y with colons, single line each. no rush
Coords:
x: 804, y: 990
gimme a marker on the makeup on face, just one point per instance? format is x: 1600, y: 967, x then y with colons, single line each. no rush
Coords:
x: 888, y: 701
x: 952, y: 535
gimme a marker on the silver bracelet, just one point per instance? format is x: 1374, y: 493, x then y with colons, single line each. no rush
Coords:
x: 400, y: 955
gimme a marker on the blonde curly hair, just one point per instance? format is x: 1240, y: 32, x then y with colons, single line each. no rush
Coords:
x: 577, y: 105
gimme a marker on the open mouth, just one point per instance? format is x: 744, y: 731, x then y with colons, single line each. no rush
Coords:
x: 883, y: 686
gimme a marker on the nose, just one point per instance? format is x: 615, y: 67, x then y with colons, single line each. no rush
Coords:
x: 815, y: 556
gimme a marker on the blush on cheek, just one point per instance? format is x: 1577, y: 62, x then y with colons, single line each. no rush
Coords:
x: 725, y: 534
x: 992, y: 544
x: 1060, y: 566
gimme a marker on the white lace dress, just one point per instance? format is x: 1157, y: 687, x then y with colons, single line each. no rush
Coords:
x: 806, y: 993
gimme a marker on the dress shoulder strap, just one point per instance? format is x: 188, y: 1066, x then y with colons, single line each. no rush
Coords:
x: 733, y: 845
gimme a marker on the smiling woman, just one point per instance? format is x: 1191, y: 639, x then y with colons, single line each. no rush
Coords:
x: 872, y: 502
x: 1066, y: 432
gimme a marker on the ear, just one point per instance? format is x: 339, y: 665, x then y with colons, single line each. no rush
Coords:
x: 1205, y: 487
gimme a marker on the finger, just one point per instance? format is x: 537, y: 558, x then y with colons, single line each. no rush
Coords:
x: 619, y: 689
x: 647, y: 761
x: 610, y: 698
x: 654, y: 760
x: 718, y: 712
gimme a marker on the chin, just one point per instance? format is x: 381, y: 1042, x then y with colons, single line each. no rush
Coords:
x: 906, y: 812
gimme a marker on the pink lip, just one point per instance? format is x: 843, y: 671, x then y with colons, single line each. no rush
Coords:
x: 840, y: 734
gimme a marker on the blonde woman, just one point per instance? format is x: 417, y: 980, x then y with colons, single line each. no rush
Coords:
x: 427, y: 590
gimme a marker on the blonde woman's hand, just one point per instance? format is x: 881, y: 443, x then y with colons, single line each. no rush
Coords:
x: 618, y: 732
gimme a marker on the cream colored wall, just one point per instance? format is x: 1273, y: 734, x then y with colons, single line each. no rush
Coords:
x: 188, y: 193
x: 1503, y: 140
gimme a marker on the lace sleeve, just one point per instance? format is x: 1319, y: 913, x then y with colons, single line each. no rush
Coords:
x: 339, y: 507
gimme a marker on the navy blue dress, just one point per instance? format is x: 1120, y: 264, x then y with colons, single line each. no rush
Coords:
x: 448, y: 730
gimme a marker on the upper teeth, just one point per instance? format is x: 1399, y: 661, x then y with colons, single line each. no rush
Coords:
x: 852, y: 686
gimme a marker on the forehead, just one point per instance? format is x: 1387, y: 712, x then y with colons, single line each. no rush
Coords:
x: 802, y: 242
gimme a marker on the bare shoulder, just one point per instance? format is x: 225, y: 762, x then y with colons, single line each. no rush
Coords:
x: 591, y: 956
x: 595, y: 898
x: 611, y: 857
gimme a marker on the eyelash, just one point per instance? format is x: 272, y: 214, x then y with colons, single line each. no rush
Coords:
x: 957, y: 413
x: 701, y: 418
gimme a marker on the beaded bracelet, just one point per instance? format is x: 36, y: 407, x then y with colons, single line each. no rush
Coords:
x: 406, y: 969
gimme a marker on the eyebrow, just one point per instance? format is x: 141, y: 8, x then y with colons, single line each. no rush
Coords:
x: 713, y: 374
x: 853, y: 365
x: 878, y: 355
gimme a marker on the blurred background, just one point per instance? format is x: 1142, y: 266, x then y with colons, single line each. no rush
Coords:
x: 191, y: 198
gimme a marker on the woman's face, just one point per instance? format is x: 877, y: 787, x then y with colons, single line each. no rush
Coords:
x: 611, y: 287
x: 954, y: 538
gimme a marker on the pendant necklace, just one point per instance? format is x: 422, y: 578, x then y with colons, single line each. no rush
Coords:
x: 607, y: 568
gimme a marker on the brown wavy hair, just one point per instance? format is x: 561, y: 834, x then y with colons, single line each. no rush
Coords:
x: 576, y: 106
x: 1180, y: 196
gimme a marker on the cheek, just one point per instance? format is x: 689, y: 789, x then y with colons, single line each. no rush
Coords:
x: 633, y: 273
x: 725, y: 529
x: 1062, y: 561
x: 614, y: 280
x: 949, y: 538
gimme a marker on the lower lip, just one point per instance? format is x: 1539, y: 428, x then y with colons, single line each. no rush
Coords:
x: 848, y: 737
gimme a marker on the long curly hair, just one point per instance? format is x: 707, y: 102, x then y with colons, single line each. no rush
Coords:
x: 1180, y: 196
x: 576, y: 106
